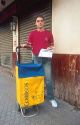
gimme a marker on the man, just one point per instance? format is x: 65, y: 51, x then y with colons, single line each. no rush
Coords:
x: 41, y: 38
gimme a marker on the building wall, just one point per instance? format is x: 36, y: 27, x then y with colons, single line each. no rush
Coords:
x: 66, y: 26
x: 66, y: 59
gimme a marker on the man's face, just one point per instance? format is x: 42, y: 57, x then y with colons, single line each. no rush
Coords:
x: 39, y: 22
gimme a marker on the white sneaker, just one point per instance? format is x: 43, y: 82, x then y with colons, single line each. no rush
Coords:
x: 54, y: 103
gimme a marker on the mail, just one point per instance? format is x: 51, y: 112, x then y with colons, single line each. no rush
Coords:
x: 46, y: 53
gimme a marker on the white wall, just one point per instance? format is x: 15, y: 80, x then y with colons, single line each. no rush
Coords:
x: 66, y: 26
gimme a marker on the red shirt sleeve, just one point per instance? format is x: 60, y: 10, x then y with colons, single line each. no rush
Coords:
x: 51, y: 39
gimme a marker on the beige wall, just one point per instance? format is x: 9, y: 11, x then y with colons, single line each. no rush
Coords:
x: 66, y: 26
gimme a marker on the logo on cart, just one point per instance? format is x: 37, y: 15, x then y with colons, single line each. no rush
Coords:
x: 26, y: 93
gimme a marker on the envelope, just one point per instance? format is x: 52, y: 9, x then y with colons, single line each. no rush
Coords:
x: 46, y: 53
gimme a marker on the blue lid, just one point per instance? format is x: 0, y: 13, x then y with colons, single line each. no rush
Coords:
x: 30, y: 70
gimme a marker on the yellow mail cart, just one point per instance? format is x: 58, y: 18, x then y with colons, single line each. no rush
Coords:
x: 29, y: 85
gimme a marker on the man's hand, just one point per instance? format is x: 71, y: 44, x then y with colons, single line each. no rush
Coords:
x: 23, y: 45
x: 50, y: 48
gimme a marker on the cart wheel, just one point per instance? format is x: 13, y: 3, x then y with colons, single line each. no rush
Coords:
x: 18, y: 107
x: 23, y: 111
x: 29, y: 112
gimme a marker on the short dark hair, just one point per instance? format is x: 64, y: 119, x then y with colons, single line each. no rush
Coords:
x: 40, y: 17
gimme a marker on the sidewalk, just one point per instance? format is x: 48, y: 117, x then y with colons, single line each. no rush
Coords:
x: 63, y: 115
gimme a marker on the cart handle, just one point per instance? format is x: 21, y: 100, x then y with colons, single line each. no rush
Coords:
x: 18, y: 52
x: 18, y: 48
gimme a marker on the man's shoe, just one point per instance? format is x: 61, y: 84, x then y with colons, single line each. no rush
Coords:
x: 54, y: 103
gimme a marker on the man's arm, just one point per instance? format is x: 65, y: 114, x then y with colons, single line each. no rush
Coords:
x: 27, y: 45
x: 51, y: 43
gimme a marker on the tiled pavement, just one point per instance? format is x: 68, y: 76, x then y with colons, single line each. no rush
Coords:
x: 63, y: 115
